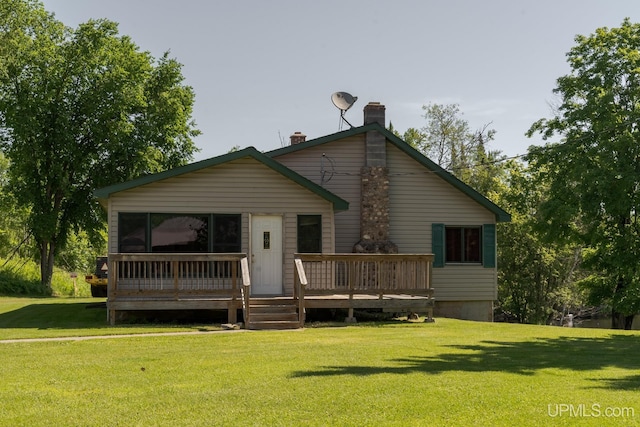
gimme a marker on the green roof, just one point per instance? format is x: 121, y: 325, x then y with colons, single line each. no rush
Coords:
x: 500, y: 214
x: 339, y: 204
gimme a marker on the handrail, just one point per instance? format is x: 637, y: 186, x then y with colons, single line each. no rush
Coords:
x: 299, y: 290
x: 245, y: 290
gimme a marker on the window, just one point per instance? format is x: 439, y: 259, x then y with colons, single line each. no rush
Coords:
x: 462, y: 244
x: 179, y: 233
x: 226, y: 234
x: 132, y: 232
x: 174, y: 233
x: 470, y: 245
x: 309, y: 233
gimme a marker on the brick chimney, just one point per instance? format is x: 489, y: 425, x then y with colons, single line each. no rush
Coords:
x: 374, y: 113
x: 297, y: 138
x: 374, y: 189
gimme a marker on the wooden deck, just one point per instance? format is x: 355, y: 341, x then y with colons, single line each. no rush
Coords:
x: 398, y: 282
x: 141, y: 282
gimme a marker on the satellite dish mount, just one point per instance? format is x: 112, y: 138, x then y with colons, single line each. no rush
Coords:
x: 343, y: 101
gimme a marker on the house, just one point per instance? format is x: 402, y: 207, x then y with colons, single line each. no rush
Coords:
x: 353, y: 219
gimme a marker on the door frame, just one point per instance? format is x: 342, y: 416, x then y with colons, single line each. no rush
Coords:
x: 280, y: 290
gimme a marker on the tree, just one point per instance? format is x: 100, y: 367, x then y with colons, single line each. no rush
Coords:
x: 536, y: 279
x: 14, y: 236
x: 594, y: 171
x: 81, y: 109
x: 448, y: 140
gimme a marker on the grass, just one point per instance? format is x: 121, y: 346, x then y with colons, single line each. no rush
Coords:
x: 64, y: 317
x: 398, y: 374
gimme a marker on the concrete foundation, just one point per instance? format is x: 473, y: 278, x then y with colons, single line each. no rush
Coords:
x: 465, y: 310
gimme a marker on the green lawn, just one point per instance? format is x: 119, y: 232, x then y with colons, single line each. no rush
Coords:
x: 63, y: 317
x: 400, y: 374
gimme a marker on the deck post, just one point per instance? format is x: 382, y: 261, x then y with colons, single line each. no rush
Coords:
x: 112, y: 283
x: 232, y: 312
x: 176, y: 280
x: 350, y: 317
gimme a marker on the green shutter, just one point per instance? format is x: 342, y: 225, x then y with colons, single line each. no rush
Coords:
x: 489, y: 246
x: 437, y: 244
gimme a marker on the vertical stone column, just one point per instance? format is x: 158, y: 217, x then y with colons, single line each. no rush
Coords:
x: 374, y: 212
x: 374, y: 203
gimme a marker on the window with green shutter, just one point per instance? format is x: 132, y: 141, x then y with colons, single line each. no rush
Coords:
x: 464, y: 245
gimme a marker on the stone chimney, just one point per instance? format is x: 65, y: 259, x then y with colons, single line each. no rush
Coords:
x: 297, y: 138
x: 374, y: 189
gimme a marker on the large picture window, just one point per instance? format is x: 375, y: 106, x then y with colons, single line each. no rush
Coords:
x: 175, y: 233
x: 179, y: 233
x: 309, y: 234
x: 463, y: 244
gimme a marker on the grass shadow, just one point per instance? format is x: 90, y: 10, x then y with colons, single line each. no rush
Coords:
x: 56, y: 316
x: 93, y: 315
x: 523, y: 358
x: 629, y: 383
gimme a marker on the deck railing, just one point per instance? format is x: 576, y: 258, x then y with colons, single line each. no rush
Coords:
x: 176, y: 276
x: 376, y: 274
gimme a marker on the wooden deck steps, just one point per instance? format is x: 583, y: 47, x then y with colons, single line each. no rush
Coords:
x: 272, y: 313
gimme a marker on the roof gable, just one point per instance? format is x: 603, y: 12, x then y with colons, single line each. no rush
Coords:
x: 339, y: 204
x: 499, y: 213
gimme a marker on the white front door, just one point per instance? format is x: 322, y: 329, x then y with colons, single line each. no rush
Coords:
x: 266, y: 255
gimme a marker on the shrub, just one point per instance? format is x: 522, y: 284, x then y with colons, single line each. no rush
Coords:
x: 22, y: 277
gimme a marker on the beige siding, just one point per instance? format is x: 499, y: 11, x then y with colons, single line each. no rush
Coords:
x: 290, y: 225
x: 342, y: 162
x: 465, y: 283
x: 244, y: 186
x: 419, y: 198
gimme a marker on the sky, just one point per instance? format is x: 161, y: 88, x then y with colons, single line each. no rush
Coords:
x: 262, y: 70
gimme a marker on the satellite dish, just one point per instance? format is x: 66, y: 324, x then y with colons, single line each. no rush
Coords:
x: 343, y: 101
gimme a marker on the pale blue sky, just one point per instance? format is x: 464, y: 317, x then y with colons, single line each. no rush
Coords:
x: 262, y: 70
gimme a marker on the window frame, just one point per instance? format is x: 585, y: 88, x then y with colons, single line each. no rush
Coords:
x: 161, y: 217
x: 488, y: 246
x: 464, y: 254
x: 317, y: 240
x: 214, y: 221
x: 144, y: 217
x: 211, y: 221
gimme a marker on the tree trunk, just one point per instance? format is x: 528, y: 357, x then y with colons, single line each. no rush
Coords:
x: 620, y: 320
x: 46, y: 263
